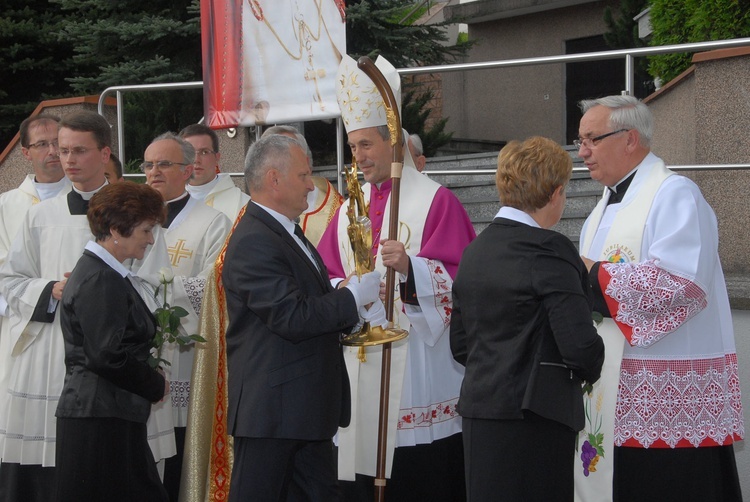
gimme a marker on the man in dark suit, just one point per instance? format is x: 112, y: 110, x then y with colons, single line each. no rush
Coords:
x: 288, y: 387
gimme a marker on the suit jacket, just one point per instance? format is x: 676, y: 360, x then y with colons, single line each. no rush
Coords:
x: 287, y: 377
x: 522, y: 325
x: 108, y: 332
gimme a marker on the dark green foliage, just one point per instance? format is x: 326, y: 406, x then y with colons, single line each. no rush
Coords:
x: 132, y: 42
x: 414, y: 116
x: 60, y: 48
x: 684, y: 21
x: 33, y: 60
x: 375, y: 27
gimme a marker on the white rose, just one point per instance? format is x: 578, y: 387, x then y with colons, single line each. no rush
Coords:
x: 166, y: 275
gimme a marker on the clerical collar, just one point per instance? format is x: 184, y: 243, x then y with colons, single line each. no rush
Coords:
x: 88, y: 195
x: 200, y: 192
x: 386, y: 185
x: 624, y: 183
x: 49, y: 190
x: 174, y: 207
x: 619, y: 190
x: 78, y: 201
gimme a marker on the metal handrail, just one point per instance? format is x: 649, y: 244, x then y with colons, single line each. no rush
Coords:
x: 628, y: 54
x: 582, y: 170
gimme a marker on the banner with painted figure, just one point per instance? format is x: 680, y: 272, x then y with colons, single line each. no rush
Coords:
x: 270, y: 61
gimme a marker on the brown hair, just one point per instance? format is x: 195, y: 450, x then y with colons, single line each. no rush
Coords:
x: 27, y: 123
x: 88, y: 121
x: 123, y: 206
x: 529, y: 172
x: 201, y: 130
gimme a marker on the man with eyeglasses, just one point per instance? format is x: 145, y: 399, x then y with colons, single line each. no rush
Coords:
x: 38, y: 136
x: 50, y: 241
x: 207, y: 183
x: 194, y: 234
x: 668, y: 403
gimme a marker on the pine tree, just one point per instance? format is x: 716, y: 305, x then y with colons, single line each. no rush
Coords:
x: 138, y: 42
x: 33, y: 60
x: 385, y: 27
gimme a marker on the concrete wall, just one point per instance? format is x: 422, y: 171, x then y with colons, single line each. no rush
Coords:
x: 13, y: 165
x: 741, y: 321
x: 674, y: 122
x: 703, y: 117
x: 514, y: 103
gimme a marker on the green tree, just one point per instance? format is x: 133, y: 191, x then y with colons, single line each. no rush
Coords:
x: 138, y: 42
x: 677, y: 22
x: 376, y: 27
x: 385, y: 27
x: 33, y: 60
x: 623, y: 34
x: 414, y: 119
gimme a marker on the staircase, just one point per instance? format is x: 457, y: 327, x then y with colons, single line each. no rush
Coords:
x: 479, y: 195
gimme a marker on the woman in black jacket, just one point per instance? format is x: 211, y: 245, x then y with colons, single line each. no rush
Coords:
x: 521, y: 325
x: 102, y: 451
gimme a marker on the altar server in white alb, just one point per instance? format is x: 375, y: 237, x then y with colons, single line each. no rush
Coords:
x: 668, y: 404
x: 208, y: 183
x: 194, y: 234
x: 423, y: 424
x: 52, y: 237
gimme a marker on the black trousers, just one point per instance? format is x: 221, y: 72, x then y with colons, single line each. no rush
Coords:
x: 283, y: 470
x: 173, y: 465
x: 30, y: 483
x: 684, y: 474
x: 431, y: 472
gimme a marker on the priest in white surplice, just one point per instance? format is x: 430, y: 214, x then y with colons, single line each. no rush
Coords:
x: 38, y: 138
x: 50, y: 242
x: 207, y: 183
x: 194, y: 234
x: 663, y: 417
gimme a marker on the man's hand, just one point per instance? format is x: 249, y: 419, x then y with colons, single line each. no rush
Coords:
x: 394, y: 255
x: 57, y: 289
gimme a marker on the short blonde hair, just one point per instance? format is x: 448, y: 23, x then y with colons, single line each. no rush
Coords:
x: 529, y: 172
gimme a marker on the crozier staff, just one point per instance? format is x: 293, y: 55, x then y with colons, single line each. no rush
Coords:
x: 433, y: 230
x: 102, y: 451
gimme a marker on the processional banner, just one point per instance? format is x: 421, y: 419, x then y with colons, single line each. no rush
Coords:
x: 270, y: 61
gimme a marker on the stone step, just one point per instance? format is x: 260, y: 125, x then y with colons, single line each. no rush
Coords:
x: 478, y: 194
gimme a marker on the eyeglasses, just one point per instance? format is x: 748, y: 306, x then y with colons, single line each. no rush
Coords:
x: 76, y: 151
x: 161, y: 164
x: 204, y: 152
x: 589, y: 142
x: 44, y: 144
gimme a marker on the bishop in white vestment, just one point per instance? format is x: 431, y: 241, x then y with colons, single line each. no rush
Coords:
x: 423, y: 425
